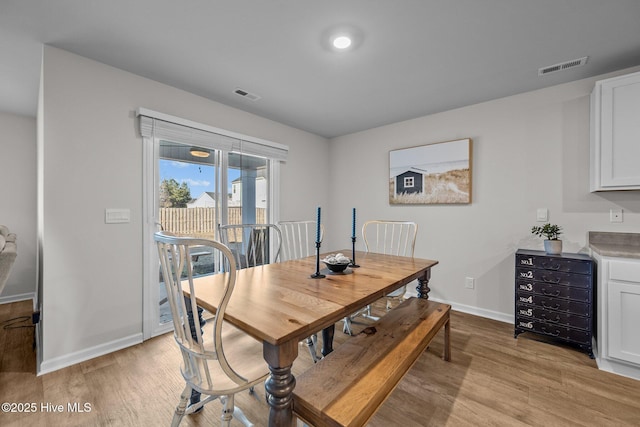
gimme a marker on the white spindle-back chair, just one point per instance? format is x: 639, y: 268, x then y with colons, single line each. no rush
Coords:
x: 299, y: 238
x: 299, y: 241
x: 252, y: 244
x: 218, y: 360
x: 386, y: 237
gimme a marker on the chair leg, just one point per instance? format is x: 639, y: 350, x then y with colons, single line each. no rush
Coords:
x: 346, y: 328
x: 367, y: 314
x: 312, y: 344
x: 240, y: 416
x: 182, y: 406
x: 227, y: 410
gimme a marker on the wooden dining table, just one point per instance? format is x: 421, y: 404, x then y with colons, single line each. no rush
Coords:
x: 280, y: 304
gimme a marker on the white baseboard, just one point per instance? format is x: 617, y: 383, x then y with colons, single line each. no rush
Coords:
x: 619, y: 368
x: 489, y: 314
x: 20, y: 297
x: 56, y: 363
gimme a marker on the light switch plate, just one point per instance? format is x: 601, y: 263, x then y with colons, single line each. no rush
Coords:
x: 542, y: 214
x: 469, y: 282
x: 117, y: 216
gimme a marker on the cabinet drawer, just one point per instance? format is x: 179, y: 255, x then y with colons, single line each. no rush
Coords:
x: 557, y: 304
x: 628, y: 271
x: 553, y: 263
x: 524, y: 311
x: 569, y: 334
x: 555, y: 291
x: 554, y: 277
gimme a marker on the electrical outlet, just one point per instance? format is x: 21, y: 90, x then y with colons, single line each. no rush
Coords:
x: 615, y: 215
x: 542, y: 215
x: 469, y: 283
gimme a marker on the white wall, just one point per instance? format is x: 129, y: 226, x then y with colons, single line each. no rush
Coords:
x: 529, y: 151
x: 18, y: 200
x: 92, y: 160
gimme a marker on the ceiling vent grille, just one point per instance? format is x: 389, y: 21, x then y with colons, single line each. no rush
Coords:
x: 247, y: 95
x: 562, y: 66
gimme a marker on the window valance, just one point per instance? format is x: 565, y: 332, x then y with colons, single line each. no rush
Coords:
x: 164, y: 126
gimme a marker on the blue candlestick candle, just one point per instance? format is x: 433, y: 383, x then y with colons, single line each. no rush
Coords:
x: 353, y: 231
x: 353, y: 241
x: 317, y: 274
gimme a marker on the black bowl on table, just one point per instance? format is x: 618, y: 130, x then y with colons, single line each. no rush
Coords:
x: 336, y: 267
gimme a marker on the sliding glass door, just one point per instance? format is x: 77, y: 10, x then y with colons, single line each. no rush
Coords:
x: 188, y: 203
x: 193, y: 190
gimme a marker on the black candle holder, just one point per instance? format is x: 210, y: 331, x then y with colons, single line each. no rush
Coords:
x: 317, y: 274
x: 353, y: 254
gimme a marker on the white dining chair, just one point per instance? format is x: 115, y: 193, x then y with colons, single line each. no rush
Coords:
x: 299, y: 241
x: 386, y: 237
x: 252, y: 244
x: 299, y: 238
x: 218, y: 360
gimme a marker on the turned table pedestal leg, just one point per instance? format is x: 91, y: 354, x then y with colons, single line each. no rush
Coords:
x: 279, y: 386
x: 423, y: 285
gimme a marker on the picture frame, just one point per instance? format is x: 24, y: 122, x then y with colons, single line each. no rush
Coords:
x: 438, y: 173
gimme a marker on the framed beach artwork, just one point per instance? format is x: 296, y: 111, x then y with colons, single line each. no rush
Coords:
x: 437, y: 173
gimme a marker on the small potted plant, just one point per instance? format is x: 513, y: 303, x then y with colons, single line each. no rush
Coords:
x: 552, y: 245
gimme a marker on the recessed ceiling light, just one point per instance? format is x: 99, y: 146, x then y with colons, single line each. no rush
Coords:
x: 199, y: 152
x: 341, y: 38
x: 341, y: 42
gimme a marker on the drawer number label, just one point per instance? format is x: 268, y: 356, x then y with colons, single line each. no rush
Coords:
x: 528, y: 261
x: 527, y: 299
x: 527, y: 287
x: 527, y: 312
x: 528, y: 325
x: 527, y: 275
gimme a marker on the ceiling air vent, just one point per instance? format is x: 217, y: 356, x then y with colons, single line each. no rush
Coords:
x: 562, y: 66
x: 248, y: 95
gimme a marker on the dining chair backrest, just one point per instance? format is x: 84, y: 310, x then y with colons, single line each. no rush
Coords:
x: 252, y: 244
x: 177, y: 274
x: 218, y: 360
x: 390, y: 237
x: 299, y: 238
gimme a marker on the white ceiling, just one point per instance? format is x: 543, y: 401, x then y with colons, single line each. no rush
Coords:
x: 416, y: 57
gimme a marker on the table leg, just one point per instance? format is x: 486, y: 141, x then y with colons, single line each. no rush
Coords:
x: 423, y: 285
x: 279, y: 386
x: 327, y: 339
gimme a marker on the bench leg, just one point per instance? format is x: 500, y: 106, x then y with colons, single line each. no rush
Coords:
x: 447, y: 342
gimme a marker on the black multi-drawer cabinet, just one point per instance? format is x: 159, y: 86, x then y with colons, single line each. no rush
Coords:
x: 555, y: 297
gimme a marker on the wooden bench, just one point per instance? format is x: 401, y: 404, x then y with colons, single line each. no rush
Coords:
x: 348, y: 386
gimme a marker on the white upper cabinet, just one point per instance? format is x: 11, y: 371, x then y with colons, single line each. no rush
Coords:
x: 615, y: 134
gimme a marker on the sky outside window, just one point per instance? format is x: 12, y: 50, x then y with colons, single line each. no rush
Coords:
x: 199, y: 177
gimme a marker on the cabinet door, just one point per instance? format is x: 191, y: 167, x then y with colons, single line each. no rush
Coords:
x: 620, y: 132
x: 623, y: 315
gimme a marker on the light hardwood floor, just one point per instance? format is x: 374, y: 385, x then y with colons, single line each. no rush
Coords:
x: 493, y: 379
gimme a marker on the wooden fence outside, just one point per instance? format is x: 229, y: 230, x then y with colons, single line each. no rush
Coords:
x: 201, y: 221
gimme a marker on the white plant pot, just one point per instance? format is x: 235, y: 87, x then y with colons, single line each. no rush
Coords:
x: 553, y: 247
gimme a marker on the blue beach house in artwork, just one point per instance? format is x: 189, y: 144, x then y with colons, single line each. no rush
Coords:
x: 409, y: 181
